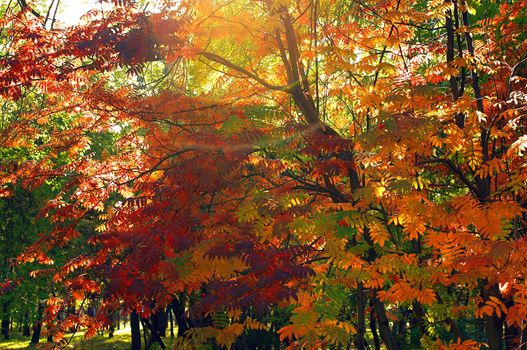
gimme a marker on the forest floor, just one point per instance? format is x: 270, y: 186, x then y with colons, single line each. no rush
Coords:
x: 120, y: 341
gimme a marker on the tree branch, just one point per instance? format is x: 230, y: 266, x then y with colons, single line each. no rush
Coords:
x: 221, y: 60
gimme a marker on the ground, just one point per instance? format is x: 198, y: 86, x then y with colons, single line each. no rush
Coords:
x: 120, y: 341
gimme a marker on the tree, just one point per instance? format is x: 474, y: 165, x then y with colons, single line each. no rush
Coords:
x: 281, y: 171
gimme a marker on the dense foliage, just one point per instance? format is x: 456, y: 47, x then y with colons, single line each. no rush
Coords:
x: 319, y: 174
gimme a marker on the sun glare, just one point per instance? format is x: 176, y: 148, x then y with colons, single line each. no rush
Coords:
x: 70, y: 12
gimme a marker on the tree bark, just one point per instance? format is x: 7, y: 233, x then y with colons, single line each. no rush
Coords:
x: 136, y: 332
x: 171, y: 322
x: 494, y: 330
x: 361, y: 323
x: 179, y: 313
x: 5, y: 320
x: 37, y: 329
x: 373, y: 328
x: 493, y: 325
x: 450, y: 55
x: 26, y: 330
x: 37, y: 326
x: 384, y: 327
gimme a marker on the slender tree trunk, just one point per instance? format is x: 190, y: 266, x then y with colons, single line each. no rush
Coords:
x: 136, y: 332
x: 373, y: 328
x: 111, y: 329
x: 171, y: 323
x: 378, y: 307
x: 5, y: 320
x: 155, y: 336
x: 26, y: 331
x: 145, y: 338
x: 161, y: 319
x: 157, y: 328
x: 494, y: 330
x: 37, y: 326
x: 37, y: 329
x: 179, y: 313
x: 361, y: 323
x: 450, y: 55
x: 512, y: 337
x: 384, y: 327
x: 493, y: 325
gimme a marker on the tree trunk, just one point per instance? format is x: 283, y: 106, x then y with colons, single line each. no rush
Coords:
x: 493, y: 325
x: 5, y: 322
x: 384, y: 326
x: 171, y: 323
x: 157, y: 328
x: 136, y: 332
x: 37, y: 329
x: 494, y: 330
x: 179, y: 314
x: 37, y: 326
x: 111, y: 329
x: 26, y: 331
x: 159, y: 323
x: 361, y: 323
x: 373, y: 327
x: 145, y: 338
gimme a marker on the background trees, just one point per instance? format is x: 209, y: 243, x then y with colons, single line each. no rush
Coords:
x: 278, y: 173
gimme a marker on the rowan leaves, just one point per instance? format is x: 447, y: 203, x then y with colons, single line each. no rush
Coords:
x: 338, y: 164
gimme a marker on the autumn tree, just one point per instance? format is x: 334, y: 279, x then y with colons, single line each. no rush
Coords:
x: 357, y: 162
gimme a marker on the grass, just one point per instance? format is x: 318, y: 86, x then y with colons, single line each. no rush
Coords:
x: 120, y: 341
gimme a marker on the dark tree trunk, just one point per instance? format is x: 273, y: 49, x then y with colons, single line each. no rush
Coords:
x: 37, y: 326
x: 136, y: 332
x: 384, y: 326
x: 113, y: 319
x: 373, y: 327
x: 493, y: 325
x: 179, y: 313
x: 111, y: 329
x: 155, y: 334
x: 5, y: 320
x: 37, y: 329
x: 159, y: 323
x: 361, y: 323
x: 5, y: 327
x: 512, y: 338
x: 171, y: 323
x: 145, y: 337
x: 26, y: 330
x: 494, y: 330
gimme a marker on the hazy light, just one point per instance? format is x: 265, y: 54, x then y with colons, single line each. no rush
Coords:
x: 71, y: 11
